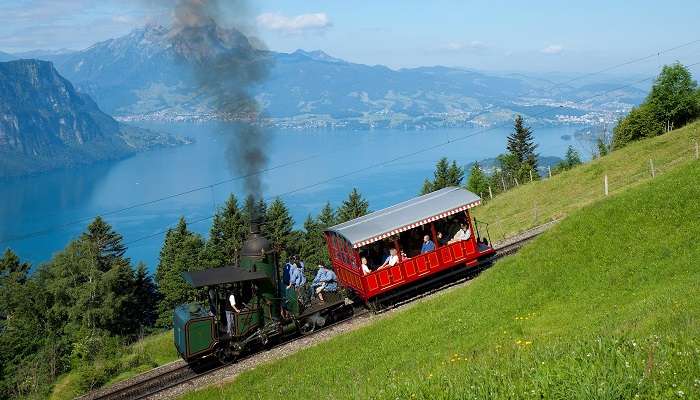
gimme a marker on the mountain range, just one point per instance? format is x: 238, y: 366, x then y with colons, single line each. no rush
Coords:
x: 45, y: 123
x: 144, y: 75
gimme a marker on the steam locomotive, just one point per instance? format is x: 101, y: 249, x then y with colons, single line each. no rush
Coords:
x: 270, y: 311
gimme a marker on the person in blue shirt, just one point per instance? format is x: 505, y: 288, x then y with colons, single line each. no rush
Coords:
x: 428, y: 245
x: 325, y: 281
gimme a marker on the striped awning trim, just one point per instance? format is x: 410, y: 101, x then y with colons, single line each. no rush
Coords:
x: 415, y: 224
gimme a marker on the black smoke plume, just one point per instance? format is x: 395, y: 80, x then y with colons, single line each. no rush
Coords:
x: 226, y: 68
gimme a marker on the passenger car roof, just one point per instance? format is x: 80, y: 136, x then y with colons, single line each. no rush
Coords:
x: 407, y: 215
x: 218, y: 276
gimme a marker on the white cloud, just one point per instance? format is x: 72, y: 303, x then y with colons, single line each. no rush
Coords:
x: 316, y: 22
x: 460, y: 46
x: 553, y: 49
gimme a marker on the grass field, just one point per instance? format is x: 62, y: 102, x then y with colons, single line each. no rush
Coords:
x: 143, y: 355
x: 534, y: 204
x: 606, y: 305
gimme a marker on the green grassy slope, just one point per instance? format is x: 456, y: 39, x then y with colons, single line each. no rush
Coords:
x: 533, y: 204
x: 143, y: 355
x: 606, y: 305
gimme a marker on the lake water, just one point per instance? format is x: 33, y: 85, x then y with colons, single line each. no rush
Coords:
x: 40, y: 214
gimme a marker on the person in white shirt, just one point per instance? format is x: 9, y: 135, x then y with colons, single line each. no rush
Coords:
x: 464, y: 233
x: 230, y: 317
x: 365, y: 267
x: 392, y: 260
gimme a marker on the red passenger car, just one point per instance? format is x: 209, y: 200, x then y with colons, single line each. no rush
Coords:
x: 404, y: 227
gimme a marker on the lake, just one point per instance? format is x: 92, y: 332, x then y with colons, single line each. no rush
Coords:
x: 46, y: 211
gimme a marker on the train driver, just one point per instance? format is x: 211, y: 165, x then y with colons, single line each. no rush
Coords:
x: 392, y: 260
x: 230, y: 317
x: 464, y: 233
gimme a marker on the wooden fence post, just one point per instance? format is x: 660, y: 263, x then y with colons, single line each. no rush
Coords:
x: 490, y: 193
x: 606, y: 184
x: 516, y: 182
x: 549, y: 170
x: 530, y: 175
x: 534, y: 208
x: 503, y: 182
x: 651, y: 165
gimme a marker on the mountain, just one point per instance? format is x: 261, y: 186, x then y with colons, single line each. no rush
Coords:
x: 144, y: 75
x: 45, y: 123
x: 6, y: 57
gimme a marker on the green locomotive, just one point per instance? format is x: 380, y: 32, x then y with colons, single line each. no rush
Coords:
x: 267, y: 311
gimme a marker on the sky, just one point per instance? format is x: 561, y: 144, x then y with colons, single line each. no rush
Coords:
x: 533, y: 36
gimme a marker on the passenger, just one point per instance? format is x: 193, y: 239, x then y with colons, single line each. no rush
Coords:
x: 464, y: 233
x: 325, y: 281
x: 365, y: 267
x: 428, y: 245
x: 297, y: 280
x: 285, y: 272
x: 230, y: 316
x: 441, y: 240
x: 392, y: 260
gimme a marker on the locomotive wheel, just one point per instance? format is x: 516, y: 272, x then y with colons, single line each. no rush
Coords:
x: 307, y: 328
x: 226, y: 355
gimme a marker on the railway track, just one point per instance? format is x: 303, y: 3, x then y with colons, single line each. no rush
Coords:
x: 151, y: 385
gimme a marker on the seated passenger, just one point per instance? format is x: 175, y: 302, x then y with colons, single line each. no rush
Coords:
x: 464, y: 233
x: 325, y: 281
x: 428, y: 245
x: 441, y: 240
x: 364, y: 267
x: 392, y: 260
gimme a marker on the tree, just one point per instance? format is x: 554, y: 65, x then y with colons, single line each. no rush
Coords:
x: 355, y: 206
x: 107, y: 244
x: 446, y: 174
x: 146, y: 296
x: 327, y: 217
x: 228, y: 231
x: 673, y: 97
x: 640, y: 123
x: 314, y: 249
x: 278, y: 227
x: 521, y: 146
x: 478, y: 181
x: 181, y: 252
x: 571, y: 159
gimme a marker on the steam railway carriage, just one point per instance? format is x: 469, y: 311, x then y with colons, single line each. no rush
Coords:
x: 402, y: 227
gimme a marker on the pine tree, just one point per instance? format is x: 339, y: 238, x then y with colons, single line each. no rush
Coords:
x: 521, y: 145
x: 446, y: 174
x: 146, y: 296
x: 427, y: 186
x: 228, y: 231
x: 478, y: 181
x: 355, y: 206
x: 313, y: 245
x: 107, y: 243
x: 181, y: 252
x: 327, y: 217
x: 278, y: 227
